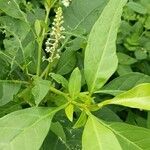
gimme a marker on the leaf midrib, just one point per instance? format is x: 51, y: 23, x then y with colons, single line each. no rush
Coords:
x: 132, y: 99
x: 117, y: 133
x: 99, y: 64
x: 87, y: 15
x: 25, y: 129
x: 96, y: 133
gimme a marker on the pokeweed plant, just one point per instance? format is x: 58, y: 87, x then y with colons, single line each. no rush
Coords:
x: 41, y: 95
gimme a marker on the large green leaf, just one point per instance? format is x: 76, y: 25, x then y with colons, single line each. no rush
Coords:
x: 74, y: 85
x: 25, y: 129
x: 98, y: 137
x: 124, y: 83
x: 11, y: 8
x: 7, y: 91
x: 82, y: 14
x: 138, y: 97
x: 131, y: 137
x: 137, y: 7
x: 128, y: 81
x: 107, y: 114
x: 110, y: 136
x: 100, y: 54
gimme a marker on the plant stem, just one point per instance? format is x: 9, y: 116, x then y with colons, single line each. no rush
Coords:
x: 41, y: 42
x: 14, y: 81
x: 45, y: 70
x: 54, y: 90
x: 48, y: 69
x: 104, y: 103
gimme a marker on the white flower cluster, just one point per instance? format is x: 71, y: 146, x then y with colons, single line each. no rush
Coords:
x: 52, y: 43
x: 66, y: 3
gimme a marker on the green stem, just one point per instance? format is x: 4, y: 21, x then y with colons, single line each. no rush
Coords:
x: 104, y: 103
x: 54, y: 90
x: 39, y: 56
x: 46, y: 70
x: 14, y: 81
x: 83, y: 106
x: 40, y: 44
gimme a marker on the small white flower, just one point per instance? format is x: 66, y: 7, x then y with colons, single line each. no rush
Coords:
x: 44, y: 58
x: 66, y: 3
x: 52, y: 43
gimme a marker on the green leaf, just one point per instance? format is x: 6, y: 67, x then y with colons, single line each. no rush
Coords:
x: 81, y: 121
x: 101, y: 138
x: 110, y: 92
x: 124, y: 83
x: 107, y: 114
x: 74, y: 85
x: 140, y: 54
x: 73, y: 136
x: 135, y: 119
x: 148, y: 120
x: 147, y: 23
x: 27, y: 96
x: 66, y: 62
x: 69, y: 112
x: 4, y: 66
x: 110, y: 136
x: 53, y: 142
x: 82, y: 14
x: 60, y: 79
x: 17, y: 128
x: 73, y: 142
x: 100, y: 54
x: 9, y: 107
x: 131, y: 137
x: 14, y: 44
x: 123, y: 69
x: 57, y: 128
x: 138, y: 97
x: 17, y: 28
x: 7, y: 91
x: 146, y: 4
x: 137, y: 7
x: 40, y: 89
x: 125, y: 59
x: 11, y: 8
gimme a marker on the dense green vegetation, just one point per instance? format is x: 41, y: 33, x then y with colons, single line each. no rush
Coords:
x: 74, y: 74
